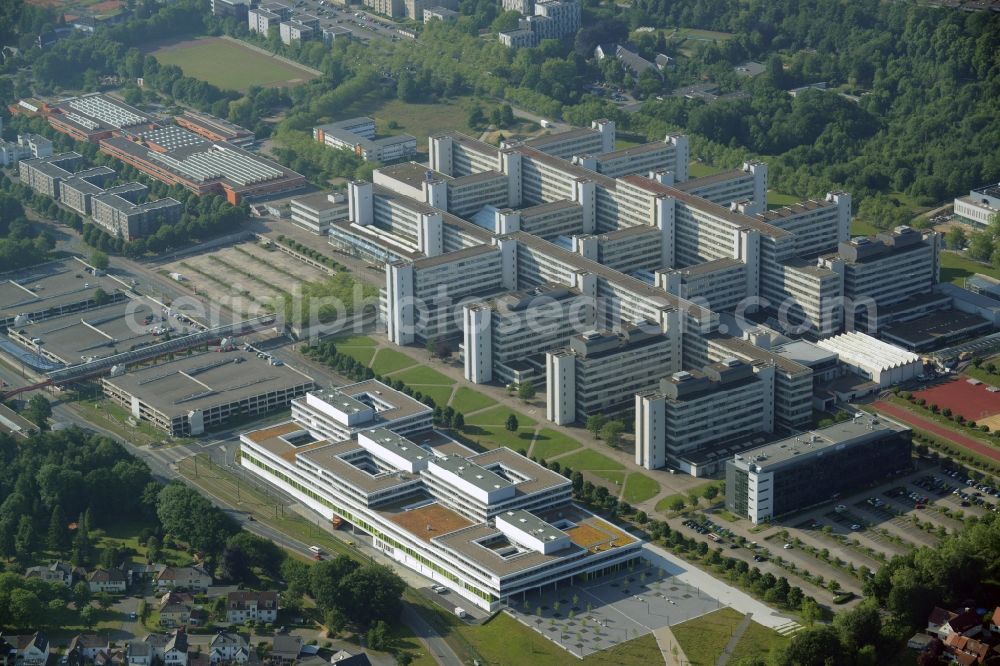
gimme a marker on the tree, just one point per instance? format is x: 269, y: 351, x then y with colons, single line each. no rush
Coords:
x: 611, y: 432
x: 675, y: 503
x: 192, y: 518
x: 859, y: 626
x: 325, y: 580
x: 710, y: 492
x: 511, y: 424
x: 378, y: 636
x: 58, y: 536
x: 88, y: 616
x: 99, y: 260
x: 372, y: 593
x: 955, y: 238
x: 24, y: 539
x: 595, y: 422
x: 38, y: 411
x: 458, y: 423
x: 526, y: 391
x: 101, y: 297
x: 810, y: 611
x: 104, y: 600
x: 816, y: 646
x: 81, y: 594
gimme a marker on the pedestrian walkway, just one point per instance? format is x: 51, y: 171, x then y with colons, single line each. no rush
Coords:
x: 727, y: 652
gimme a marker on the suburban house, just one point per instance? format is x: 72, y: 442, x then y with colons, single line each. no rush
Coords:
x: 175, y: 609
x: 195, y: 579
x: 995, y: 621
x: 8, y: 653
x: 943, y: 622
x: 106, y: 580
x: 244, y: 605
x: 229, y: 647
x: 90, y: 645
x: 965, y: 650
x: 345, y: 658
x: 171, y: 649
x: 113, y: 657
x: 285, y: 649
x: 137, y: 572
x: 57, y: 572
x: 139, y: 653
x: 29, y: 649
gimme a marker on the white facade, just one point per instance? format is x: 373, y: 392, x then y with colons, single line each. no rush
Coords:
x: 879, y: 361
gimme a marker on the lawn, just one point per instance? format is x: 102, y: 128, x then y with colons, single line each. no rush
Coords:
x: 362, y: 355
x: 498, y: 416
x: 503, y: 641
x: 639, y: 488
x: 757, y: 641
x: 589, y: 460
x: 955, y: 268
x: 549, y: 444
x: 699, y: 169
x: 615, y: 477
x: 423, y: 375
x: 229, y: 65
x: 420, y: 120
x: 493, y: 436
x: 704, y: 638
x: 859, y: 228
x: 777, y: 199
x: 441, y: 394
x: 355, y: 341
x: 390, y: 360
x: 466, y: 400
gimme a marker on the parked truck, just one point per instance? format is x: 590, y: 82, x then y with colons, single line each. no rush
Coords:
x: 460, y: 612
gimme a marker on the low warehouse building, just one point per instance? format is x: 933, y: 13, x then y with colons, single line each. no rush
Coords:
x: 879, y: 361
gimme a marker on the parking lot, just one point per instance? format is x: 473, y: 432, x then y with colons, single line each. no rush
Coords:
x: 587, y: 618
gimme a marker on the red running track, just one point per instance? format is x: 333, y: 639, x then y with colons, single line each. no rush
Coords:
x: 909, y: 417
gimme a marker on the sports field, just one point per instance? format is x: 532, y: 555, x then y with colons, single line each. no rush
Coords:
x: 973, y: 401
x: 229, y: 65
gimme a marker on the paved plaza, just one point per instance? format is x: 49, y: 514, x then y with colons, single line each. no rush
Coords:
x: 586, y: 618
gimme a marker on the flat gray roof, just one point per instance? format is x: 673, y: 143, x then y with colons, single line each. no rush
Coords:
x: 52, y: 285
x: 206, y: 380
x: 472, y: 473
x: 402, y: 404
x: 97, y: 333
x: 860, y: 428
x: 412, y: 173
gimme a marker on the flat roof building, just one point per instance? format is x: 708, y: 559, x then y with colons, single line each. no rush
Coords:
x: 681, y: 421
x: 358, y: 136
x: 981, y: 206
x: 95, y: 116
x: 874, y: 359
x: 600, y: 372
x: 52, y: 289
x: 190, y: 394
x: 488, y: 526
x: 815, y: 467
x: 317, y: 211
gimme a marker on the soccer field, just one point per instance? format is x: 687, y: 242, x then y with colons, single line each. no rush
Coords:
x: 229, y: 65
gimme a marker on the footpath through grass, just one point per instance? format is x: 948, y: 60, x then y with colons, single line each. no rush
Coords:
x: 704, y: 638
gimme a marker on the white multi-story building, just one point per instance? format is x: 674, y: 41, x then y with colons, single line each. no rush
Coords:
x: 316, y: 212
x: 488, y: 526
x: 600, y: 372
x: 681, y: 425
x: 358, y: 136
x: 300, y: 28
x: 505, y: 338
x: 980, y: 207
x: 26, y: 146
x: 887, y: 276
x: 261, y: 19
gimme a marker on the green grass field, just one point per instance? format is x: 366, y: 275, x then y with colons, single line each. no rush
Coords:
x: 757, y: 641
x: 498, y: 416
x: 494, y: 436
x: 423, y: 375
x: 503, y: 641
x: 589, y: 460
x: 955, y: 268
x: 550, y: 444
x: 441, y: 394
x: 700, y: 170
x: 639, y: 488
x: 777, y: 199
x: 615, y: 477
x: 362, y: 355
x: 390, y: 360
x: 704, y: 638
x: 420, y: 120
x: 229, y: 65
x: 355, y: 341
x: 466, y: 400
x: 859, y: 228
